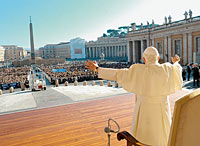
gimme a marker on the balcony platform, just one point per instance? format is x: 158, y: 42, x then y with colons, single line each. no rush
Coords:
x: 77, y: 124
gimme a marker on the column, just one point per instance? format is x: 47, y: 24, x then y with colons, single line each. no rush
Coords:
x: 165, y: 49
x: 142, y: 48
x: 88, y: 49
x: 110, y: 49
x: 123, y: 51
x: 87, y: 52
x: 120, y: 51
x: 93, y: 51
x: 107, y: 50
x: 100, y: 51
x: 97, y: 52
x: 184, y: 48
x: 90, y: 52
x: 116, y: 51
x: 121, y: 55
x: 134, y: 59
x: 130, y: 51
x: 169, y: 48
x: 104, y: 51
x: 190, y: 47
x: 114, y: 55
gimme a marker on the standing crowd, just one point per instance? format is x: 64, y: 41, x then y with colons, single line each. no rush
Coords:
x: 191, y: 70
x: 12, y: 77
x: 76, y: 71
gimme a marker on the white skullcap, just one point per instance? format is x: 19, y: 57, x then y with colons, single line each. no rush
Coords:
x: 151, y: 55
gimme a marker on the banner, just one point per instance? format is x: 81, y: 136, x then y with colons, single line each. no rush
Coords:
x: 78, y: 51
x: 59, y: 70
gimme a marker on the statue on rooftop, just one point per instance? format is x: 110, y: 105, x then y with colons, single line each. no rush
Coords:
x: 170, y: 19
x: 147, y: 24
x: 133, y: 25
x: 153, y: 23
x: 190, y: 14
x: 165, y: 20
x: 186, y: 14
x: 141, y: 25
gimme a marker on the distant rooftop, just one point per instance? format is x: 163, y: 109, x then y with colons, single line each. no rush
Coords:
x: 139, y: 29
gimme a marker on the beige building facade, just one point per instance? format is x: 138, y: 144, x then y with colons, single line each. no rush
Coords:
x: 2, y: 54
x: 13, y: 53
x: 111, y: 47
x: 180, y: 37
x: 61, y: 50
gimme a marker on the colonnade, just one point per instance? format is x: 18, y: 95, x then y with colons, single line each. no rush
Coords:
x: 109, y: 51
x: 188, y: 45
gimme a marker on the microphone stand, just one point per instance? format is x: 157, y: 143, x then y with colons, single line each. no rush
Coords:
x: 109, y: 130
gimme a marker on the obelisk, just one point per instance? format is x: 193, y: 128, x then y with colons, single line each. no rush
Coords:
x: 32, y: 44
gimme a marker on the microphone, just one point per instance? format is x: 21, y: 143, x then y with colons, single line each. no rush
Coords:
x: 108, y: 130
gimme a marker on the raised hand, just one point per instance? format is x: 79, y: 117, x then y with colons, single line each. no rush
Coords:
x: 175, y: 59
x: 91, y: 65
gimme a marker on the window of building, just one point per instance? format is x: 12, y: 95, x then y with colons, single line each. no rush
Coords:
x: 159, y: 46
x: 198, y: 44
x: 177, y: 47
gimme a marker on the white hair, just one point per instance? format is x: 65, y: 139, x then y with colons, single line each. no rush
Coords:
x: 151, y: 55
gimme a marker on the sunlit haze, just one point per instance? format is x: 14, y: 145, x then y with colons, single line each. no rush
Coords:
x: 57, y: 21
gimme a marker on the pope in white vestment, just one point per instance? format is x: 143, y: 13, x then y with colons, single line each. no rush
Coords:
x: 151, y: 83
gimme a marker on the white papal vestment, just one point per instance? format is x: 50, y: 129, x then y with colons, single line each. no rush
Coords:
x: 152, y: 84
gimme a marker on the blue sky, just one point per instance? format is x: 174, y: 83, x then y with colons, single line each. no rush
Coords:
x: 57, y: 21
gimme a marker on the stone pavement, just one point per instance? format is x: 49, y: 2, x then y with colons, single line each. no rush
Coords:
x: 16, y: 101
x: 54, y: 96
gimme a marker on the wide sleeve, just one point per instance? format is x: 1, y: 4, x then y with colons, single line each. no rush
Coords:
x: 177, y: 71
x: 127, y: 78
x: 113, y: 74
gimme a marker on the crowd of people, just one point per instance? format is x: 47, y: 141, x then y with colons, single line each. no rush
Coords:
x: 12, y: 77
x: 192, y: 70
x: 76, y: 71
